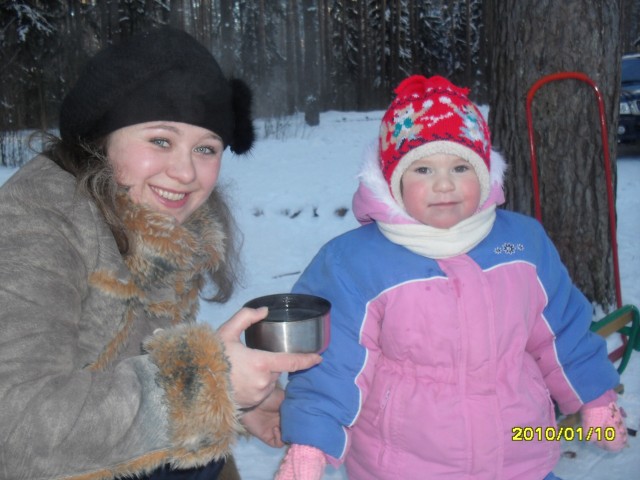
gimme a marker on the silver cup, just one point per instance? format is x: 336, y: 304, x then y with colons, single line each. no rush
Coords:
x: 296, y: 323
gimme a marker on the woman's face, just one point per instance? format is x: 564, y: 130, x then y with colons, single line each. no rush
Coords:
x: 440, y: 190
x: 171, y: 167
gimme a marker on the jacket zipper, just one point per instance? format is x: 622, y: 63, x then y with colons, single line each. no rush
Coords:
x: 380, y: 418
x: 382, y: 407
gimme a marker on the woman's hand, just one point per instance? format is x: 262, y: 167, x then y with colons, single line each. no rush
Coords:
x: 254, y: 373
x: 263, y: 421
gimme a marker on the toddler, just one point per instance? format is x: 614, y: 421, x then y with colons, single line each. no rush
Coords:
x: 453, y: 323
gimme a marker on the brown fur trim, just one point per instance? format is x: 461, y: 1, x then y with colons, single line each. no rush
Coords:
x: 108, y: 283
x: 114, y: 347
x: 164, y: 255
x: 158, y: 235
x: 194, y: 373
x: 167, y: 254
x: 105, y: 281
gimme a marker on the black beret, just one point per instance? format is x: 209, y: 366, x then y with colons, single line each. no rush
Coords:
x: 162, y: 74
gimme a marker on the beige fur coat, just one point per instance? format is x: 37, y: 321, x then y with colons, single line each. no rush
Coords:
x: 103, y: 371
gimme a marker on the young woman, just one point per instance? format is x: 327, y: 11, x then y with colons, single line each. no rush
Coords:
x: 108, y: 240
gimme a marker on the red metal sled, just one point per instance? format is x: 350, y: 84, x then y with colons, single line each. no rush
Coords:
x: 625, y: 319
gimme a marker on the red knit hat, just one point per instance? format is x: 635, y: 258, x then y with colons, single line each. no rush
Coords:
x: 429, y: 116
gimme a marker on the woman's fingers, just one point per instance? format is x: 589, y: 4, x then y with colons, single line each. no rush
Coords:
x: 292, y: 362
x: 243, y: 319
x: 254, y: 373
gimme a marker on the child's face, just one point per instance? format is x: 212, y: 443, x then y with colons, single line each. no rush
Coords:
x: 171, y: 167
x: 440, y: 190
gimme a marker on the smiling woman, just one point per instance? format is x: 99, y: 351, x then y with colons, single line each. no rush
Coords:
x: 109, y: 238
x: 176, y: 165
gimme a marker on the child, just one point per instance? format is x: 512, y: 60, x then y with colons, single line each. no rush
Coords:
x: 453, y: 323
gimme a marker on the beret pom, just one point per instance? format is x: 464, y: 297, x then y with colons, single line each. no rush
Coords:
x: 244, y: 132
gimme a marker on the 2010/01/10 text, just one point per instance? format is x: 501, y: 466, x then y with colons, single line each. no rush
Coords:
x: 554, y: 434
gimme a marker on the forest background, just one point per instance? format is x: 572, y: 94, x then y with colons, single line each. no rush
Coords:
x: 313, y: 56
x: 298, y: 55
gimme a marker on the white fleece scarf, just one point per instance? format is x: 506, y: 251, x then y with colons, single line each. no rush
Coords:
x: 441, y: 243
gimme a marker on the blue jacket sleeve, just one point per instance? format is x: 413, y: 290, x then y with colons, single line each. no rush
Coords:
x: 573, y: 360
x: 322, y: 401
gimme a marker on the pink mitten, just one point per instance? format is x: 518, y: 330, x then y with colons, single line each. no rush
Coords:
x: 604, y: 425
x: 302, y: 462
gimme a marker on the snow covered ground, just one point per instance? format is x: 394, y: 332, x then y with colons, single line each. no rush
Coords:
x: 290, y: 197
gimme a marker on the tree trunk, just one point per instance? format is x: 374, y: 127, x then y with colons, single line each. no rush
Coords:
x: 325, y: 49
x: 292, y: 91
x: 262, y: 40
x: 362, y: 82
x: 535, y: 38
x: 310, y: 71
x: 227, y: 29
x: 176, y: 13
x: 297, y: 50
x: 630, y: 34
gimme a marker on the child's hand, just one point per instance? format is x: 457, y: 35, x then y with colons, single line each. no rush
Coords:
x: 302, y: 462
x: 605, y: 425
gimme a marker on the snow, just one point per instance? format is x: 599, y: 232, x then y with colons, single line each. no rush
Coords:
x: 287, y: 197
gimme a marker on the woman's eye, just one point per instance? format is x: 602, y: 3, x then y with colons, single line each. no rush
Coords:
x: 206, y: 150
x: 161, y: 142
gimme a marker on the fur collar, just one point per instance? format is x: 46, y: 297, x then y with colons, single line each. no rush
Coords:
x: 163, y: 251
x: 167, y: 265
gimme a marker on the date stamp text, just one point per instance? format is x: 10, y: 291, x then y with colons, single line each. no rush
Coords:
x: 555, y: 434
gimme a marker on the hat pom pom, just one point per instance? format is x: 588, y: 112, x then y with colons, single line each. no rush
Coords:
x: 243, y: 131
x: 415, y: 84
x: 419, y: 85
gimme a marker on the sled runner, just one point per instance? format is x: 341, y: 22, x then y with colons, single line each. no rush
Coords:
x: 625, y: 320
